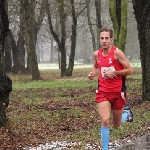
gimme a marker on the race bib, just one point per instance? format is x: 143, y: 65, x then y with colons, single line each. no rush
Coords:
x: 105, y: 69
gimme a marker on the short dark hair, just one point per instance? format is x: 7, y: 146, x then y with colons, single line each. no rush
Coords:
x: 104, y: 29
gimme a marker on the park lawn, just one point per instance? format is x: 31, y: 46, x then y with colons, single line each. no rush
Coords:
x: 64, y: 109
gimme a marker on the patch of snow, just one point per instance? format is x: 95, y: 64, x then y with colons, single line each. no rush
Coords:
x: 67, y: 145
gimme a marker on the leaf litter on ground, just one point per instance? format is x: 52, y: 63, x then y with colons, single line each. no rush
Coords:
x: 64, y: 113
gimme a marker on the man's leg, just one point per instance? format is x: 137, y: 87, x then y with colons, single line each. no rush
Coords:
x: 117, y: 115
x: 121, y: 116
x: 104, y: 110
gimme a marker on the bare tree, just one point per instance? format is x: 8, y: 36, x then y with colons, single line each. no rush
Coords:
x: 90, y: 25
x: 118, y: 14
x: 9, y: 48
x: 65, y: 9
x: 5, y: 81
x: 98, y: 19
x: 20, y: 56
x: 60, y: 41
x: 97, y: 24
x: 32, y: 28
x: 142, y: 15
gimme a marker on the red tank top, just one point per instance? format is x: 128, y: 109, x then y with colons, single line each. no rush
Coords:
x: 106, y: 63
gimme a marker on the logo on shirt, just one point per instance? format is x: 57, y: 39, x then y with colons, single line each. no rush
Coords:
x: 110, y: 61
x: 100, y: 59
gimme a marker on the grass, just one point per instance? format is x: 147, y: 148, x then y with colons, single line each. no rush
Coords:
x: 58, y: 109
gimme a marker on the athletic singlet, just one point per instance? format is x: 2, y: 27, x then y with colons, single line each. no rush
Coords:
x: 107, y: 63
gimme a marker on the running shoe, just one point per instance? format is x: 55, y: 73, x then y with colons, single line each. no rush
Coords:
x: 130, y: 116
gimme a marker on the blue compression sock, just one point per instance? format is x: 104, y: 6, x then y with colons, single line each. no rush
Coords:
x: 104, y: 131
x: 124, y: 116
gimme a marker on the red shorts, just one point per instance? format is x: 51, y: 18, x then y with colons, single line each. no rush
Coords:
x: 117, y: 99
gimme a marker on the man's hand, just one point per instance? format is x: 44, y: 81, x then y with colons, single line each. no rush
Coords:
x: 91, y: 75
x: 109, y: 74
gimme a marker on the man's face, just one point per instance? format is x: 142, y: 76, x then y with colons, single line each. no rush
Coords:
x: 105, y: 40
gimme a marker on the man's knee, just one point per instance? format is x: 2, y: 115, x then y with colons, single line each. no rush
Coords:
x: 105, y: 121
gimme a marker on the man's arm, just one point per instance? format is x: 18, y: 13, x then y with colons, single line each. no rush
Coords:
x: 95, y: 69
x: 120, y: 57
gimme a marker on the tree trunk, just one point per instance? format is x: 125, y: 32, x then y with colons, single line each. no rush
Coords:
x: 30, y: 39
x: 58, y: 54
x: 8, y: 47
x: 63, y: 38
x: 9, y: 39
x: 98, y: 20
x: 21, y: 41
x: 142, y: 15
x: 73, y: 40
x: 32, y: 28
x: 21, y: 53
x: 12, y: 48
x: 52, y: 51
x: 123, y: 25
x: 61, y: 41
x: 39, y: 50
x: 5, y: 82
x: 118, y: 14
x: 90, y: 24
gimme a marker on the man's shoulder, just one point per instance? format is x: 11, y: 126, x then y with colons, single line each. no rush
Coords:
x: 118, y: 51
x: 96, y: 52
